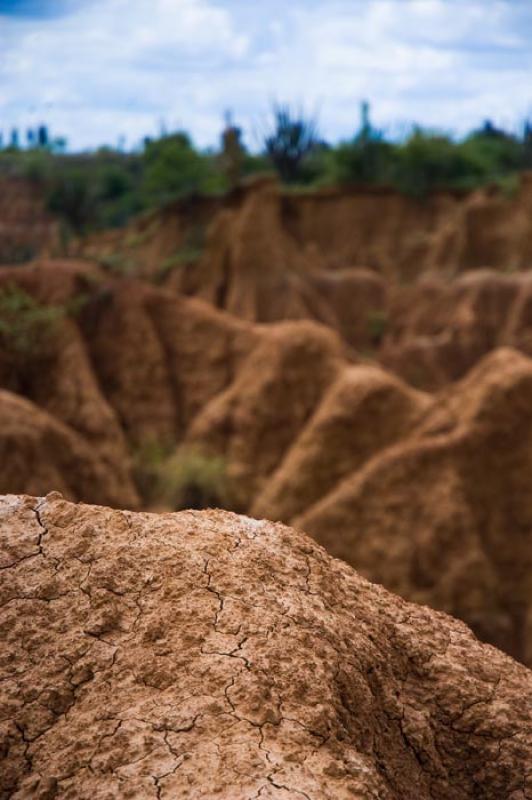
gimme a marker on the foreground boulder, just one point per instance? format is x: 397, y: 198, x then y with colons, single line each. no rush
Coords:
x: 203, y: 654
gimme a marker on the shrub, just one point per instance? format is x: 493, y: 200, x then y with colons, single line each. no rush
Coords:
x: 26, y: 326
x: 378, y: 322
x: 290, y: 140
x: 173, y: 168
x: 148, y: 459
x: 428, y: 160
x: 363, y: 161
x: 191, y: 479
x: 72, y: 197
x: 186, y: 479
x: 117, y: 263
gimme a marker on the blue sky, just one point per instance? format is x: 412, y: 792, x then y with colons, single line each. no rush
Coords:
x: 97, y: 70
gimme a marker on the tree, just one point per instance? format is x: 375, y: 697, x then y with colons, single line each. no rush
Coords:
x: 366, y: 128
x: 42, y: 136
x: 72, y: 196
x: 233, y: 153
x: 290, y: 140
x: 172, y: 168
x: 367, y: 158
x: 527, y: 145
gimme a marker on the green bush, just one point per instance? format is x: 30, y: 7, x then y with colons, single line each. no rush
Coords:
x: 427, y: 161
x: 187, y: 478
x: 72, y: 196
x: 102, y: 189
x: 290, y: 141
x: 173, y: 168
x: 363, y: 161
x: 26, y: 326
x: 378, y: 322
x: 190, y: 479
x: 148, y: 459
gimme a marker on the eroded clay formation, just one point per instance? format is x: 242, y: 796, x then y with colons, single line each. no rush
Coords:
x: 425, y: 288
x: 426, y: 493
x: 205, y: 654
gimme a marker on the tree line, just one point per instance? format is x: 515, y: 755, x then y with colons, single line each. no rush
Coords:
x: 106, y: 187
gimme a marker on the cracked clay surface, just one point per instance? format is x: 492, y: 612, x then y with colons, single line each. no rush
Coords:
x: 207, y: 655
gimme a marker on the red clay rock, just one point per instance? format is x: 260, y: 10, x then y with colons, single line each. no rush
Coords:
x: 38, y: 451
x: 53, y: 281
x: 130, y: 362
x: 252, y: 268
x: 61, y: 381
x: 340, y: 257
x: 445, y: 516
x: 203, y: 654
x: 205, y: 349
x: 255, y: 420
x: 438, y: 330
x: 303, y: 434
x: 357, y: 301
x: 364, y: 411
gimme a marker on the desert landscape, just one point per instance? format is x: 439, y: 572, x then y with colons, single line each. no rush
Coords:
x: 265, y: 409
x: 382, y: 411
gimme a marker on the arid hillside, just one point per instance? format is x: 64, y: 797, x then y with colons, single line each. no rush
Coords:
x: 425, y: 287
x: 265, y: 400
x: 132, y: 395
x: 396, y: 236
x: 204, y: 654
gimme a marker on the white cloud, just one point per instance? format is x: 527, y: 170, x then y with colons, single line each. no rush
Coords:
x: 121, y: 66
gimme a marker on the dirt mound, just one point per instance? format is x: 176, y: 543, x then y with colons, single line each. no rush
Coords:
x: 137, y: 366
x: 254, y: 421
x: 357, y: 302
x: 251, y: 267
x: 444, y: 517
x: 250, y: 264
x: 437, y: 330
x: 45, y: 360
x: 160, y: 358
x: 132, y: 359
x: 260, y: 237
x: 53, y: 280
x: 206, y: 654
x: 364, y: 411
x: 38, y: 451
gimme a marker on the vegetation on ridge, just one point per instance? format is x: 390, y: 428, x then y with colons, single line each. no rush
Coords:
x: 106, y: 187
x: 26, y: 326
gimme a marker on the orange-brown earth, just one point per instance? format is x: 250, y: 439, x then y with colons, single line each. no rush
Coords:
x: 426, y: 493
x: 396, y: 236
x: 425, y: 287
x: 342, y: 354
x: 203, y: 654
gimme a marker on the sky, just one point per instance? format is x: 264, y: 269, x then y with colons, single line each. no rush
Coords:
x: 103, y: 71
